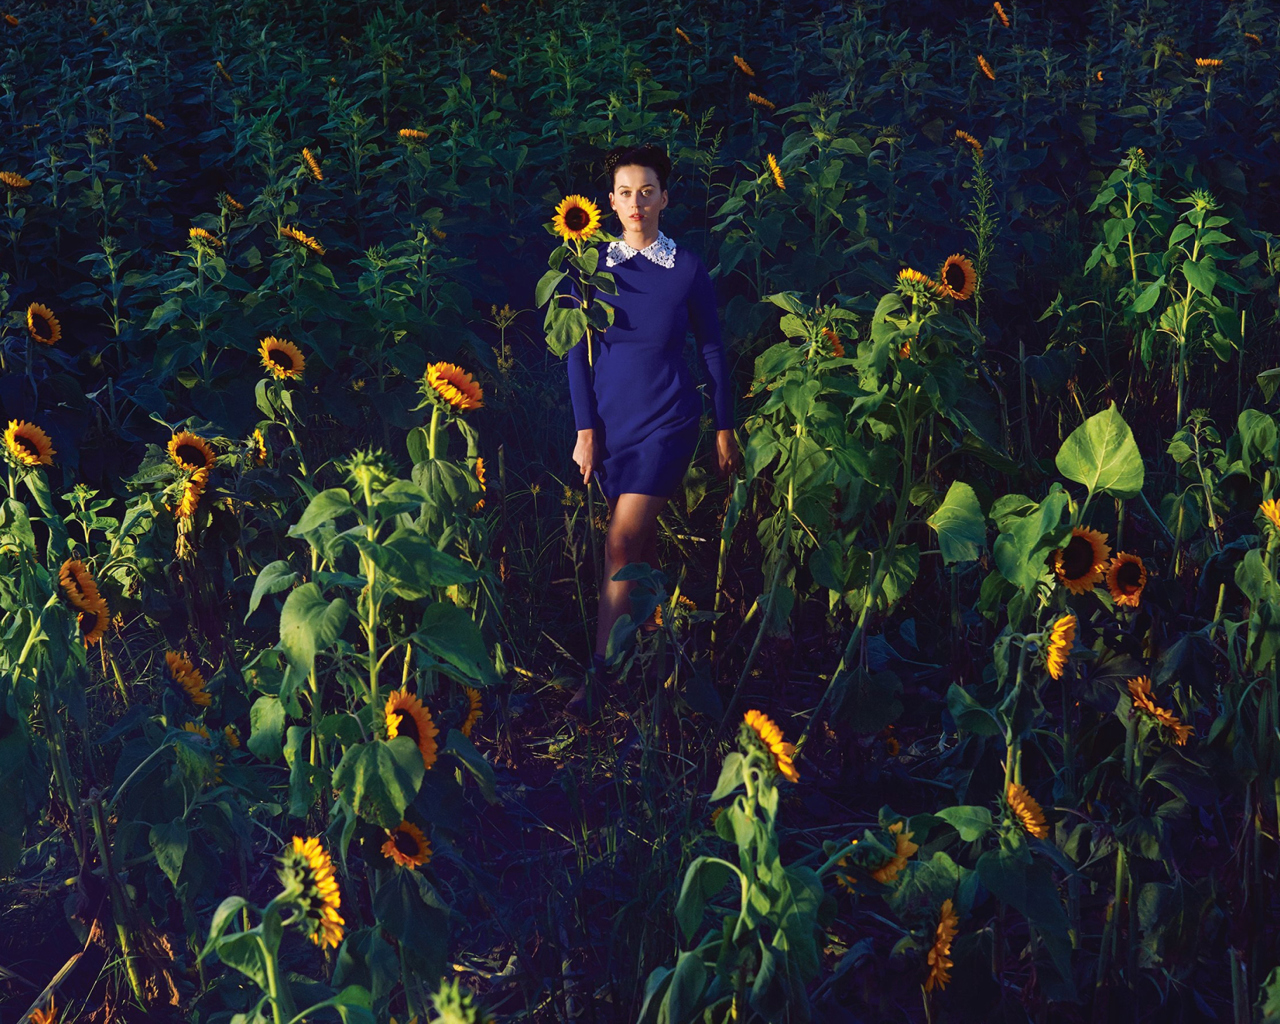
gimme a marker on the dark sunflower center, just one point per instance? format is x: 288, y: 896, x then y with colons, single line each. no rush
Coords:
x: 406, y: 843
x: 954, y: 276
x: 1129, y: 578
x: 576, y: 218
x: 190, y: 455
x: 281, y: 358
x: 1077, y: 558
x: 407, y: 726
x: 45, y: 329
x: 27, y: 445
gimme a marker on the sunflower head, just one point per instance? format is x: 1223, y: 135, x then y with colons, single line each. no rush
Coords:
x: 837, y: 346
x: 413, y: 136
x: 939, y: 958
x: 13, y: 182
x: 474, y: 706
x: 190, y: 451
x: 912, y: 283
x: 1271, y: 509
x: 1004, y: 18
x: 406, y: 716
x: 281, y: 358
x: 188, y: 677
x: 312, y: 164
x: 154, y: 121
x: 78, y: 584
x: 302, y: 241
x: 974, y: 145
x: 985, y: 67
x: 957, y: 277
x: 26, y: 445
x: 452, y: 387
x: 576, y: 218
x: 1144, y: 701
x: 1082, y: 563
x: 1026, y: 810
x: 1126, y: 578
x: 42, y: 325
x: 199, y: 238
x: 759, y: 734
x: 232, y: 737
x: 407, y: 846
x: 743, y: 66
x: 776, y: 171
x: 306, y: 872
x: 903, y: 849
x: 258, y: 448
x: 1058, y: 647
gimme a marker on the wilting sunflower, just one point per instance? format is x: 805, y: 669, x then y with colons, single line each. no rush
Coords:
x: 151, y: 164
x: 1082, y: 563
x: 760, y: 101
x: 191, y: 492
x: 307, y: 871
x: 743, y: 66
x: 186, y: 675
x: 972, y: 142
x: 957, y: 277
x: 479, y: 476
x: 986, y: 68
x: 281, y: 358
x: 916, y: 283
x: 497, y: 76
x: 154, y: 121
x: 28, y: 445
x: 1208, y: 63
x: 1026, y: 810
x: 78, y: 584
x: 407, y: 846
x: 1271, y: 509
x: 412, y: 135
x: 683, y: 35
x: 776, y: 171
x: 939, y: 958
x: 199, y: 236
x: 230, y: 202
x: 1255, y: 39
x: 42, y: 325
x: 1126, y: 576
x: 837, y: 346
x: 455, y: 386
x: 97, y: 618
x: 313, y: 165
x: 190, y: 451
x: 406, y: 716
x: 903, y: 849
x: 1058, y: 646
x: 1140, y: 692
x: 15, y: 182
x: 576, y: 218
x: 473, y: 712
x: 759, y: 731
x: 1004, y: 18
x: 232, y: 737
x: 302, y: 239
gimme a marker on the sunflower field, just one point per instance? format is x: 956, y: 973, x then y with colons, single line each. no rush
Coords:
x: 959, y: 702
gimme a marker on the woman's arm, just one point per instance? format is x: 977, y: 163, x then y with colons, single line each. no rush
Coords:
x: 705, y: 321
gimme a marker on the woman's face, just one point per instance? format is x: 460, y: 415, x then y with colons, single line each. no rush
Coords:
x: 636, y: 198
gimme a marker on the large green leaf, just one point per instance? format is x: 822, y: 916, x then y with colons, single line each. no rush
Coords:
x: 464, y: 750
x: 705, y: 877
x: 449, y: 633
x: 308, y: 625
x: 274, y: 578
x: 324, y: 507
x: 169, y: 843
x: 266, y: 719
x: 1020, y: 549
x: 1102, y: 454
x: 1028, y: 887
x: 961, y: 527
x: 380, y: 779
x: 972, y: 822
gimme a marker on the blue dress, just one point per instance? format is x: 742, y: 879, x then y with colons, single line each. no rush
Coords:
x: 642, y: 403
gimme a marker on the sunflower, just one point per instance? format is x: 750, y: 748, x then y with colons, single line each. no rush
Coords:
x: 189, y: 451
x: 28, y: 445
x: 939, y: 958
x: 903, y: 849
x: 191, y: 491
x: 837, y: 346
x: 454, y: 386
x: 302, y: 239
x: 479, y: 476
x: 222, y: 71
x: 1026, y: 810
x: 196, y: 729
x: 1004, y: 18
x: 281, y: 358
x: 683, y: 606
x: 231, y: 203
x: 406, y: 716
x: 312, y: 164
x: 760, y: 101
x: 12, y: 181
x: 776, y: 171
x: 1058, y: 646
x: 1271, y: 509
x: 473, y: 712
x: 42, y: 325
x: 12, y: 20
x: 1098, y: 76
x: 155, y: 121
x: 957, y: 277
x: 258, y: 448
x: 407, y: 846
x: 1256, y: 40
x: 78, y: 584
x: 442, y: 235
x: 307, y: 871
x: 1083, y: 561
x: 151, y: 164
x: 916, y: 283
x: 201, y: 236
x: 186, y: 675
x: 1126, y: 576
x: 101, y: 617
x: 683, y: 35
x: 232, y: 737
x: 743, y: 66
x: 972, y: 142
x: 412, y: 135
x: 49, y: 1014
x: 1208, y: 63
x: 497, y: 76
x: 576, y: 218
x: 1140, y: 693
x: 986, y: 68
x: 759, y: 731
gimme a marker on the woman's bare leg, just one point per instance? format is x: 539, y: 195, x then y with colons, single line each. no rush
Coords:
x: 632, y: 538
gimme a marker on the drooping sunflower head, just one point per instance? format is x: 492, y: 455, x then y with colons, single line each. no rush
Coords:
x: 188, y: 677
x: 1208, y: 64
x: 1081, y: 564
x: 281, y: 358
x: 452, y: 386
x: 406, y: 716
x: 743, y: 66
x: 232, y: 737
x: 78, y: 584
x: 1144, y: 702
x: 150, y: 164
x: 918, y: 286
x: 974, y: 145
x: 407, y: 846
x: 230, y: 203
x: 192, y: 489
x: 13, y: 181
x: 200, y: 238
x: 1026, y: 810
x: 986, y: 67
x: 576, y: 218
x: 837, y: 346
x: 26, y: 445
x: 190, y: 451
x: 957, y: 277
x: 312, y: 164
x: 903, y: 849
x: 154, y: 121
x: 303, y: 241
x: 1126, y: 577
x: 306, y: 872
x: 1004, y: 18
x: 1058, y: 647
x: 474, y: 706
x: 759, y: 733
x: 413, y: 136
x: 93, y: 622
x: 42, y: 325
x: 939, y: 958
x: 760, y: 101
x: 776, y: 171
x: 258, y: 448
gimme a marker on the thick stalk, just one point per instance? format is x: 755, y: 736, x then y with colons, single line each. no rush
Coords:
x: 121, y: 910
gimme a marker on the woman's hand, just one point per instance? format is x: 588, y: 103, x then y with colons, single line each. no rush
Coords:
x: 728, y: 458
x: 584, y: 454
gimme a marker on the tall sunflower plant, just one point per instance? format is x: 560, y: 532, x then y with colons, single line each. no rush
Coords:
x: 577, y: 222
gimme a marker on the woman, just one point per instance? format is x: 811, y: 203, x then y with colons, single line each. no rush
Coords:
x: 638, y: 418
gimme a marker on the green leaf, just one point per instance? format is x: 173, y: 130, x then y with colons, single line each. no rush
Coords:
x: 274, y: 578
x: 705, y: 878
x: 1102, y: 454
x: 420, y: 566
x: 866, y: 702
x: 448, y: 632
x: 1268, y: 382
x: 1150, y: 294
x: 169, y: 843
x: 266, y: 718
x: 961, y: 526
x: 730, y: 776
x: 684, y: 995
x: 323, y: 508
x: 308, y: 625
x: 464, y: 750
x: 970, y: 821
x: 1020, y: 549
x: 380, y: 779
x: 1201, y: 276
x: 1029, y: 889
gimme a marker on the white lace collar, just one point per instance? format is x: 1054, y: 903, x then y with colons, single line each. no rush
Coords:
x: 661, y: 251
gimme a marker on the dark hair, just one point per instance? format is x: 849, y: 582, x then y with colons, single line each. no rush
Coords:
x: 643, y: 156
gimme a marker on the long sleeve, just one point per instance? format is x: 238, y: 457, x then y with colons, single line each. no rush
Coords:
x: 705, y: 321
x: 581, y: 392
